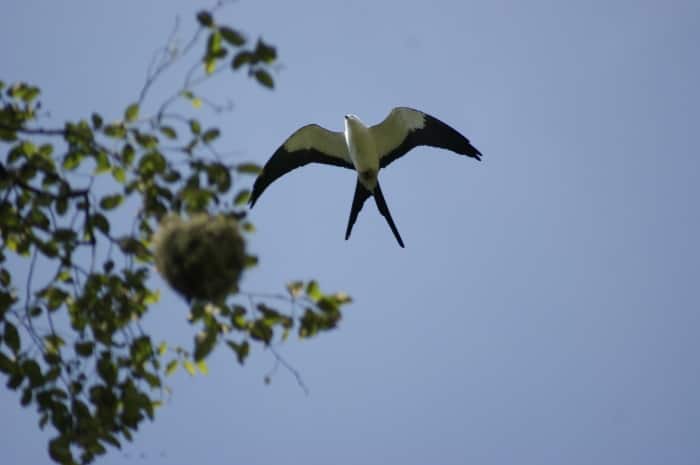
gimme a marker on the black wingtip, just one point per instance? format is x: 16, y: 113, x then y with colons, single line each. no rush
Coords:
x: 471, y: 151
x: 255, y: 192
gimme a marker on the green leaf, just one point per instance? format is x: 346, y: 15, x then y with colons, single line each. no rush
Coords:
x: 242, y: 350
x: 5, y: 277
x: 261, y: 331
x: 214, y: 44
x: 248, y: 168
x: 210, y: 135
x: 264, y: 52
x: 61, y: 205
x: 45, y: 150
x: 64, y: 276
x: 264, y: 78
x: 84, y: 349
x: 204, y: 343
x: 152, y: 163
x: 171, y: 367
x: 238, y: 317
x: 232, y: 36
x: 219, y: 175
x: 205, y: 18
x: 32, y: 370
x: 242, y: 197
x: 15, y: 380
x: 202, y: 366
x: 55, y: 297
x: 11, y: 337
x: 38, y: 218
x: 342, y: 298
x: 150, y: 299
x: 116, y: 131
x: 28, y: 148
x: 147, y: 141
x: 295, y: 288
x: 168, y: 132
x: 110, y: 202
x: 195, y: 127
x: 132, y: 246
x: 59, y: 450
x: 107, y: 369
x: 30, y: 94
x: 96, y: 121
x: 196, y: 102
x: 251, y: 261
x: 72, y: 160
x: 241, y: 59
x: 100, y: 222
x: 131, y: 113
x: 26, y: 396
x: 24, y: 92
x: 162, y: 348
x: 7, y: 366
x: 248, y: 227
x: 119, y: 174
x: 313, y: 291
x: 102, y: 162
x: 328, y: 305
x: 110, y: 439
x: 189, y: 366
x: 128, y: 154
x: 209, y: 66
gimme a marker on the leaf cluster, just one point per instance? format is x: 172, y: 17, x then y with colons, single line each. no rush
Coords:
x: 256, y: 59
x: 75, y: 282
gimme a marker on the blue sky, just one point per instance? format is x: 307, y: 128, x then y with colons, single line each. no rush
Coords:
x: 545, y: 309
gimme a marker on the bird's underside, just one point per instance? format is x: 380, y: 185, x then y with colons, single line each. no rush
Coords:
x: 365, y: 150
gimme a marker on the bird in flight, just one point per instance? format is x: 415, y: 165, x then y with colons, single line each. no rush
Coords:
x: 365, y: 149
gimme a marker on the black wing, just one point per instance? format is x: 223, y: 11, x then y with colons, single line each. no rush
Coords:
x: 406, y: 128
x: 310, y: 144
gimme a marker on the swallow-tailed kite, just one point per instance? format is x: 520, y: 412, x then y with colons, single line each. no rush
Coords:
x: 365, y: 150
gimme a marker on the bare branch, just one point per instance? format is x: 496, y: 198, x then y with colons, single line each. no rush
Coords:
x: 280, y: 360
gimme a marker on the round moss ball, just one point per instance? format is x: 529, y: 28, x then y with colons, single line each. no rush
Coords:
x: 201, y: 257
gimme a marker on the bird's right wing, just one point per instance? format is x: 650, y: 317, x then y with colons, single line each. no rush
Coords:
x: 406, y: 128
x: 311, y: 143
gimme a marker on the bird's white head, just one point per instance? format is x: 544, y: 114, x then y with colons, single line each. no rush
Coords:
x: 352, y: 121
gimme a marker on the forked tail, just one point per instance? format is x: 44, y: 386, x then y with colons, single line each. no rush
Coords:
x: 361, y: 195
x: 384, y: 210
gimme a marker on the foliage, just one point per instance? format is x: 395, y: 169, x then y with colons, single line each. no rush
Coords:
x: 74, y: 284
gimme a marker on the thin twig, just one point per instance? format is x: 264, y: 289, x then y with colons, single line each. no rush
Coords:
x: 291, y: 369
x: 27, y: 303
x: 70, y: 194
x: 34, y: 131
x: 168, y: 58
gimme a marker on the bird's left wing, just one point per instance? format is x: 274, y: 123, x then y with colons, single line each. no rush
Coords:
x: 311, y: 143
x: 406, y: 128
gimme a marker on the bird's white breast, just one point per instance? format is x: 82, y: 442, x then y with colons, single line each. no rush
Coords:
x: 361, y: 146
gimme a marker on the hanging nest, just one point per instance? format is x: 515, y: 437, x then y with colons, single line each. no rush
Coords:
x: 201, y: 257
